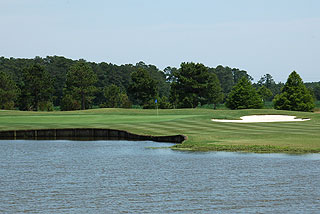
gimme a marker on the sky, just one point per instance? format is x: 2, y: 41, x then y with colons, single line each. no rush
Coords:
x: 259, y: 36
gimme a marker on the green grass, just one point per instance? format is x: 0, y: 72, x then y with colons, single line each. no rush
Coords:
x: 203, y: 134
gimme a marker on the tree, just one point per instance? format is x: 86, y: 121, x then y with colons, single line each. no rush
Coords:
x: 169, y: 72
x: 317, y: 91
x: 238, y: 74
x: 112, y: 94
x: 9, y: 91
x: 214, y: 90
x: 115, y: 98
x: 57, y: 67
x: 265, y: 93
x: 68, y: 103
x: 80, y: 82
x: 244, y: 96
x: 36, y: 89
x: 164, y: 103
x: 163, y: 86
x: 190, y: 85
x: 225, y: 77
x: 142, y: 88
x: 125, y: 102
x: 195, y: 84
x: 294, y: 95
x: 267, y: 81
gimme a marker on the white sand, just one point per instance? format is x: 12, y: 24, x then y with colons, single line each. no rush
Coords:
x: 263, y: 119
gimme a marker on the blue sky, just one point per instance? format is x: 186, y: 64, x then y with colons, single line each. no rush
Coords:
x: 260, y: 36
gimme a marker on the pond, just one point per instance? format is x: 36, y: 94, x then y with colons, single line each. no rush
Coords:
x: 130, y: 177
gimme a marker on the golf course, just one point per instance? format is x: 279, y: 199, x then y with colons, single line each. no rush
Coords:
x: 203, y: 133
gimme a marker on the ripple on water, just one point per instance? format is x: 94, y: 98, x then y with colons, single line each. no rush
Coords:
x: 123, y: 176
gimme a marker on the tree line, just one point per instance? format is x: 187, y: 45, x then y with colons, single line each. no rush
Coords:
x: 47, y: 83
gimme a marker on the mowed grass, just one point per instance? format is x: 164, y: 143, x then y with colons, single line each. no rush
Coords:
x: 203, y: 134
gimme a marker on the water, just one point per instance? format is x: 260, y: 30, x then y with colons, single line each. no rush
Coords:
x: 127, y: 177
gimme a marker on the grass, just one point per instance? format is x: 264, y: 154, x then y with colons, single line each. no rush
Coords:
x: 203, y: 134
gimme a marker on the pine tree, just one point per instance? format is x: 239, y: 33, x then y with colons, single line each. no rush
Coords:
x: 113, y: 96
x: 8, y: 91
x: 80, y: 85
x: 294, y: 95
x: 36, y: 90
x: 193, y: 85
x: 214, y: 90
x: 265, y: 93
x: 244, y: 96
x: 143, y: 88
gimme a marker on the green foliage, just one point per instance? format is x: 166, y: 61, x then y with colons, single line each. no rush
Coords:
x: 228, y: 77
x: 80, y: 82
x: 214, y: 90
x: 9, y: 91
x: 164, y: 103
x: 57, y: 67
x: 193, y: 85
x: 314, y: 88
x: 169, y: 73
x: 317, y: 91
x: 244, y: 96
x: 68, y: 103
x: 115, y: 98
x: 268, y: 82
x: 142, y: 88
x: 225, y: 77
x: 265, y: 93
x: 163, y: 87
x: 46, y: 106
x: 112, y: 94
x: 150, y: 105
x: 239, y: 74
x: 109, y: 74
x: 125, y: 102
x: 294, y: 96
x: 120, y: 75
x: 37, y: 87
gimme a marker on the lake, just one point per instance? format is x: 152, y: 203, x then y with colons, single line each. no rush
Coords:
x: 130, y: 177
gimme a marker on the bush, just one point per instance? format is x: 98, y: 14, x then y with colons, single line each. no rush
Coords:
x: 46, y: 106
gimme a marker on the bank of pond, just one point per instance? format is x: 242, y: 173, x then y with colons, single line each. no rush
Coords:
x: 86, y: 134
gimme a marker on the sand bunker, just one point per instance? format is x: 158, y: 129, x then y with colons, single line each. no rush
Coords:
x: 263, y: 119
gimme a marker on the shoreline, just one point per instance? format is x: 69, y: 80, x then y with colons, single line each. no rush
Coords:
x: 259, y: 149
x: 85, y: 134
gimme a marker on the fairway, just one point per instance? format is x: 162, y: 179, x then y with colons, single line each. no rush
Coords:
x: 203, y: 134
